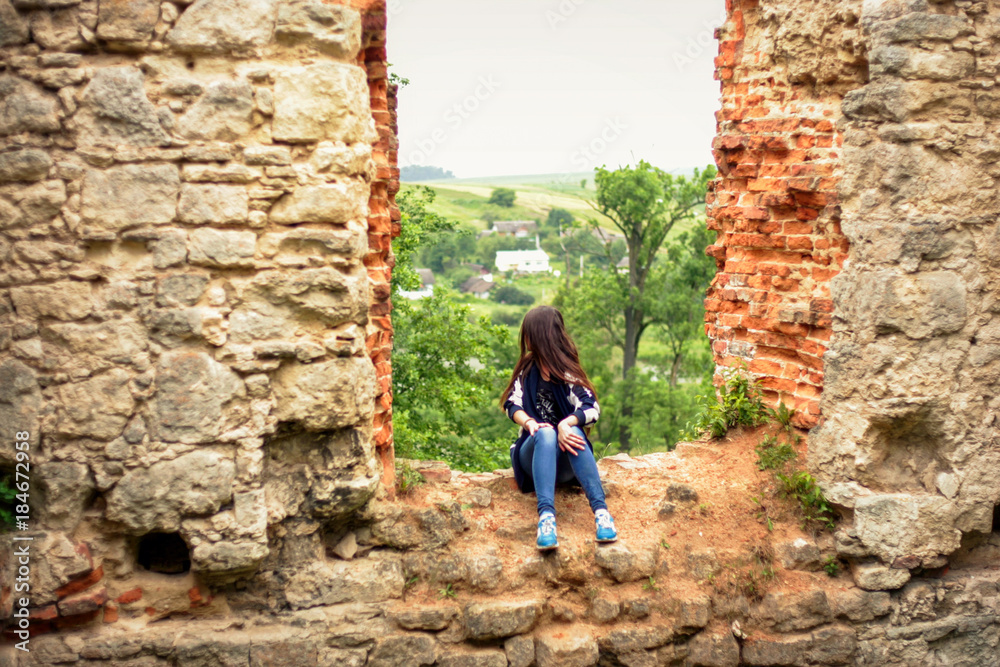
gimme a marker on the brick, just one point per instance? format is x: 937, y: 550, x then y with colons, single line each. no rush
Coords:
x: 83, y: 602
x: 130, y: 595
x: 46, y: 613
x: 82, y: 583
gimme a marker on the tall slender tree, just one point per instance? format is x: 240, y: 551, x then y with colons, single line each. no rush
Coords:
x: 644, y: 203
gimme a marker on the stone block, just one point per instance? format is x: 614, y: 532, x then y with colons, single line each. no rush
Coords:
x: 64, y: 300
x: 425, y: 618
x: 372, y: 579
x: 326, y: 101
x: 223, y: 26
x: 267, y: 155
x: 561, y: 646
x: 893, y: 526
x: 520, y: 651
x: 501, y: 618
x: 24, y: 164
x: 333, y: 394
x: 96, y: 408
x: 713, y: 650
x: 859, y: 605
x: 13, y: 28
x: 180, y: 289
x: 474, y: 658
x: 24, y: 107
x: 339, y: 158
x: 57, y: 561
x: 629, y: 638
x: 67, y: 489
x: 158, y: 497
x: 213, y: 204
x: 191, y: 389
x: 211, y: 247
x: 223, y: 113
x: 60, y: 29
x: 115, y: 110
x: 127, y: 20
x: 83, y: 602
x: 37, y: 205
x: 333, y: 30
x: 286, y: 653
x: 834, y: 645
x: 878, y: 577
x: 788, y: 612
x: 624, y: 564
x: 336, y: 203
x: 920, y: 26
x: 20, y: 402
x: 404, y: 651
x: 130, y: 195
x: 228, y: 557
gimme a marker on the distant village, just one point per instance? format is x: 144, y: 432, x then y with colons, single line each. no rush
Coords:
x: 512, y: 263
x: 517, y: 262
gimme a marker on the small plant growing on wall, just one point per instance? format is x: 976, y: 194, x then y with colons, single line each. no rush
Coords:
x: 739, y: 401
x: 7, y: 495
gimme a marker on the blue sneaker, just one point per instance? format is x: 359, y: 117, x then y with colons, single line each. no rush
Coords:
x: 547, y: 532
x: 605, y: 526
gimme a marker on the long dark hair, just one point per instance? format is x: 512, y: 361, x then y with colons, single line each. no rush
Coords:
x: 546, y: 344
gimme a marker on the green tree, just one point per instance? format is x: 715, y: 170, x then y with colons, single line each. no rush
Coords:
x: 503, y: 197
x: 511, y: 295
x: 644, y: 203
x: 559, y: 218
x: 448, y: 368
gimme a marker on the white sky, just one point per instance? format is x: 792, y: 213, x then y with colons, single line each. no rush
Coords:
x: 503, y: 87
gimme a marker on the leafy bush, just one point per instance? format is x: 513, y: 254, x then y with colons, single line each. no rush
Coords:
x: 773, y: 455
x: 507, y: 317
x: 511, y: 295
x: 739, y: 402
x: 504, y: 197
x: 802, y: 487
x: 407, y: 478
x: 7, y: 494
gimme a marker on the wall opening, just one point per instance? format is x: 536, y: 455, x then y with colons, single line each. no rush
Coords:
x: 996, y: 519
x: 166, y: 553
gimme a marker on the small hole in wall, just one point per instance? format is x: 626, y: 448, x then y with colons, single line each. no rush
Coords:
x: 996, y: 519
x: 164, y: 552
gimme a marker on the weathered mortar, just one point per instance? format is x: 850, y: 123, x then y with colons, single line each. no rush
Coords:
x: 196, y: 210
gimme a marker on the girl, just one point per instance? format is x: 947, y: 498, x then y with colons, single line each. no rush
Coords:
x: 550, y: 398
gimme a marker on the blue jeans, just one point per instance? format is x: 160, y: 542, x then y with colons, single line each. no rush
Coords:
x: 541, y: 458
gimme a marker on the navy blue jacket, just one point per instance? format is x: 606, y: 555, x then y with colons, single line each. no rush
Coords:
x: 576, y: 400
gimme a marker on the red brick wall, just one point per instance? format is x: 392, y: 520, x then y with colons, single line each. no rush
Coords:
x: 774, y: 206
x: 383, y: 225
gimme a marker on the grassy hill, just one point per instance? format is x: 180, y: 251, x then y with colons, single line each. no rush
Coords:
x: 465, y: 199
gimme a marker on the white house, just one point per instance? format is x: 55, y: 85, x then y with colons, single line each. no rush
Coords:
x: 523, y: 261
x: 426, y: 286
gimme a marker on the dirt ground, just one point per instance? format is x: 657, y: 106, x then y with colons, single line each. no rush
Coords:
x: 719, y: 543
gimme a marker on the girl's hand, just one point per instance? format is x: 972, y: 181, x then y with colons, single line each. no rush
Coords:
x: 533, y: 426
x: 569, y: 441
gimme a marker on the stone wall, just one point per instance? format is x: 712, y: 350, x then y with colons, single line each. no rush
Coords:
x: 911, y: 442
x: 196, y: 208
x: 857, y: 208
x: 448, y: 575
